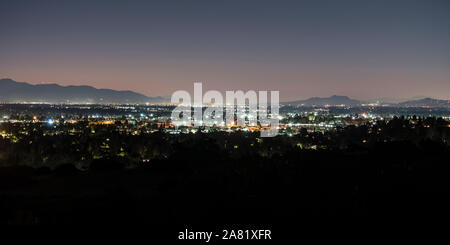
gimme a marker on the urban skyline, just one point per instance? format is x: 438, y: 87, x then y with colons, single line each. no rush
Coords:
x: 211, y: 120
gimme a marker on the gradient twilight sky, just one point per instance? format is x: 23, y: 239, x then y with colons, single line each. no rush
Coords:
x: 363, y: 49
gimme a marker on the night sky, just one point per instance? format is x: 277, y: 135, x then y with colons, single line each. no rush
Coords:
x: 363, y: 49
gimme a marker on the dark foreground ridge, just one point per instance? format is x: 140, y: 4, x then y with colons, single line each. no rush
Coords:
x: 237, y: 178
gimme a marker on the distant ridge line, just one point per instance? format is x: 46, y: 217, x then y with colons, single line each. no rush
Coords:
x: 20, y: 92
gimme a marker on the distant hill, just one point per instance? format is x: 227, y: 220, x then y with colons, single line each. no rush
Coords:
x: 330, y: 101
x: 19, y: 92
x: 336, y: 100
x: 427, y: 102
x: 390, y: 101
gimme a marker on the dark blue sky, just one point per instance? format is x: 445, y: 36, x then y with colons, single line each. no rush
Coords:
x: 364, y: 49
